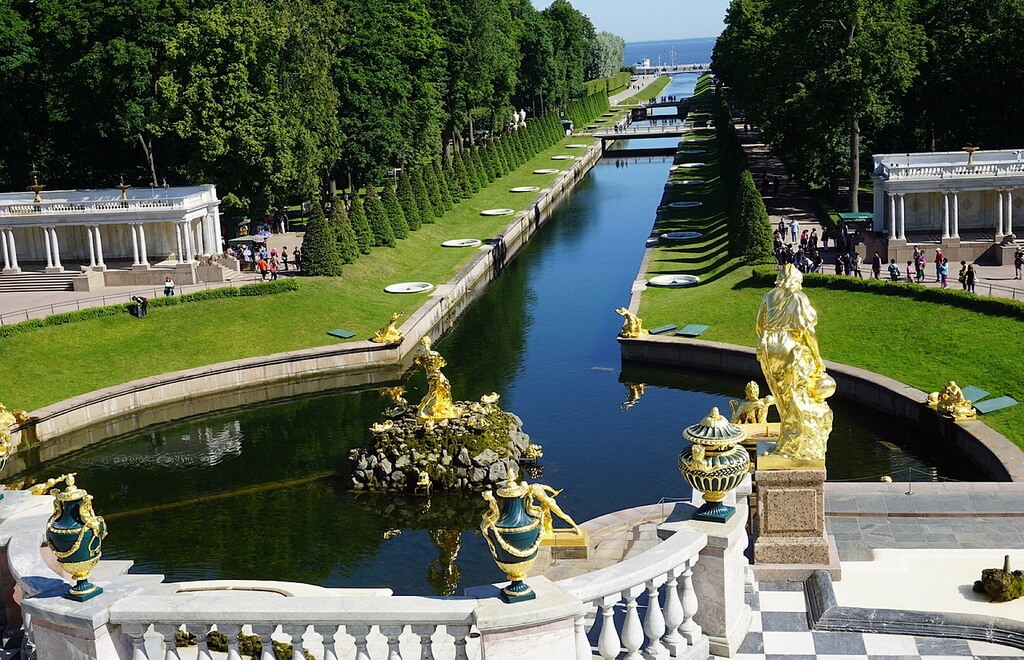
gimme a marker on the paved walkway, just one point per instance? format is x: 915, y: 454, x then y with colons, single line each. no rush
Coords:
x: 787, y: 199
x: 642, y: 81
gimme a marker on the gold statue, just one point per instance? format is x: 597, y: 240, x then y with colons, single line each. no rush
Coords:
x: 41, y: 489
x: 633, y: 393
x: 395, y: 394
x: 382, y: 427
x: 632, y: 325
x: 541, y: 503
x: 789, y: 357
x: 389, y: 334
x: 437, y: 403
x: 490, y: 399
x: 533, y: 452
x: 950, y: 399
x: 9, y: 419
x: 753, y: 410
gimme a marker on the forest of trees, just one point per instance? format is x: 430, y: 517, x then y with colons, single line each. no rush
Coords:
x: 830, y: 83
x: 272, y: 99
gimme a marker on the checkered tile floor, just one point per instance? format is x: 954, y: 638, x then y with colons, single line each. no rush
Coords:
x: 779, y: 632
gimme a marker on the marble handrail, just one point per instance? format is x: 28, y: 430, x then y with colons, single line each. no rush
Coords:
x: 917, y: 171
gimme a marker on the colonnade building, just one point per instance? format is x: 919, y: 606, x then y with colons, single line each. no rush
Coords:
x: 117, y: 236
x: 964, y: 201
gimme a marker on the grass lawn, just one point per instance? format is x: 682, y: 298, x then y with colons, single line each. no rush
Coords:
x: 51, y: 364
x: 650, y: 92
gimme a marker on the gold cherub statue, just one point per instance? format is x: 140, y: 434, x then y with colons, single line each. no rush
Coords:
x: 632, y: 325
x: 395, y: 394
x: 389, y: 334
x: 753, y: 410
x: 437, y: 404
x: 950, y: 399
x: 789, y: 357
x: 9, y: 419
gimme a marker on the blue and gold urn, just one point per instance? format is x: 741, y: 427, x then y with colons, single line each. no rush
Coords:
x: 714, y: 464
x: 513, y: 535
x: 75, y: 535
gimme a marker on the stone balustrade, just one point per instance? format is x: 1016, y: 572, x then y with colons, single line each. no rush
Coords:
x: 91, y: 207
x: 667, y: 628
x: 140, y: 617
x: 905, y: 172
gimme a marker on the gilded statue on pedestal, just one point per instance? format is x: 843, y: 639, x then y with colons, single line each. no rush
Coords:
x: 752, y: 410
x: 437, y: 404
x: 632, y: 325
x: 389, y: 334
x: 9, y: 419
x: 792, y: 365
x: 541, y: 503
x: 950, y: 399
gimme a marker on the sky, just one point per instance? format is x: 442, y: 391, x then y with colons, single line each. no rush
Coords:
x: 653, y: 20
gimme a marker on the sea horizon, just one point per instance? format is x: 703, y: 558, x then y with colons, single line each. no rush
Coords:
x: 683, y: 51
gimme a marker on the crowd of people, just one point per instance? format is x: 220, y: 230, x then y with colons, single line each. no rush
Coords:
x: 266, y: 262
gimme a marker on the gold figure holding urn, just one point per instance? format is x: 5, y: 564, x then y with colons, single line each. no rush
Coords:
x: 437, y: 404
x: 792, y: 365
x: 632, y: 325
x: 389, y: 334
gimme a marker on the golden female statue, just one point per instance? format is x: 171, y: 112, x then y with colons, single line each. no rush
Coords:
x: 9, y: 419
x: 389, y: 334
x: 789, y: 357
x: 437, y: 403
x: 632, y: 325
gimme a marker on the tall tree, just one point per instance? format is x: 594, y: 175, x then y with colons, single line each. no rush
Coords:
x: 319, y: 245
x: 407, y: 198
x: 364, y: 233
x: 606, y: 55
x: 396, y: 215
x: 344, y: 232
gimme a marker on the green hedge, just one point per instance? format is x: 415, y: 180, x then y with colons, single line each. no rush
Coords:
x: 766, y: 275
x: 607, y: 86
x: 258, y: 289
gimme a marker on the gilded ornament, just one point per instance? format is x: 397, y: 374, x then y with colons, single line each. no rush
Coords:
x: 632, y: 325
x: 490, y: 399
x: 792, y: 365
x: 395, y: 394
x: 9, y: 419
x: 752, y: 410
x: 437, y: 404
x: 714, y: 464
x: 533, y: 452
x: 389, y: 334
x: 950, y: 399
x: 75, y: 535
x: 382, y: 427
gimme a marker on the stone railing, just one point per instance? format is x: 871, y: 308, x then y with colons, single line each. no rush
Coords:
x: 140, y: 617
x: 906, y: 172
x: 100, y: 207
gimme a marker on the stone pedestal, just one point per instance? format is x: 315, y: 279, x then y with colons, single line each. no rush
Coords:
x: 789, y: 526
x: 718, y: 576
x: 54, y: 269
x: 11, y: 271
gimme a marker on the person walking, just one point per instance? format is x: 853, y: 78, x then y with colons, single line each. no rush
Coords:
x: 168, y: 287
x: 922, y: 263
x: 284, y: 257
x: 894, y: 271
x: 263, y: 267
x: 944, y: 272
x: 794, y: 229
x: 939, y: 258
x: 961, y: 275
x: 876, y: 267
x: 1018, y: 262
x: 858, y: 265
x: 971, y: 278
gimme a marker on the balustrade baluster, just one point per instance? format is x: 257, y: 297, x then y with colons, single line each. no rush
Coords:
x: 328, y: 633
x: 264, y: 632
x: 360, y: 633
x: 460, y: 633
x: 169, y: 633
x: 231, y: 632
x: 583, y: 650
x: 392, y: 634
x: 137, y: 634
x: 632, y: 629
x: 204, y: 649
x: 654, y: 621
x: 296, y: 633
x: 689, y: 628
x: 672, y: 640
x: 609, y: 644
x: 425, y: 634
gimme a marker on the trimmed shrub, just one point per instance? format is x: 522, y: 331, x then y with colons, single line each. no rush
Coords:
x: 320, y: 245
x: 377, y: 215
x: 459, y: 177
x: 396, y: 215
x: 419, y: 187
x: 364, y: 234
x: 433, y: 188
x: 344, y: 233
x: 407, y: 198
x: 446, y: 202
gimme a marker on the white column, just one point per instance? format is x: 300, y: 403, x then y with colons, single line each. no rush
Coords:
x: 56, y: 248
x: 956, y: 215
x: 215, y: 228
x: 186, y: 230
x: 200, y: 237
x: 142, y: 244
x: 12, y: 249
x: 903, y: 217
x: 945, y: 214
x: 177, y: 238
x: 999, y: 214
x: 3, y: 248
x: 47, y: 245
x: 99, y: 247
x: 92, y: 250
x: 892, y: 216
x: 1009, y: 211
x: 135, y: 245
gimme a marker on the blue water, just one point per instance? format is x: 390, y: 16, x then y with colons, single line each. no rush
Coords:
x: 687, y: 51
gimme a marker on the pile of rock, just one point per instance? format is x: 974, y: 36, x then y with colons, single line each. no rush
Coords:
x: 472, y: 452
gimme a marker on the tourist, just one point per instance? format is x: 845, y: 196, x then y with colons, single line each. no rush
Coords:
x: 922, y: 263
x: 782, y: 229
x: 894, y: 271
x: 839, y: 264
x: 794, y: 228
x: 826, y: 234
x: 1018, y: 263
x: 961, y: 276
x: 876, y: 267
x: 274, y: 267
x: 297, y: 256
x: 168, y: 287
x: 812, y: 240
x: 939, y: 258
x: 284, y: 257
x: 971, y: 278
x: 858, y: 265
x: 803, y: 239
x: 141, y: 306
x: 263, y: 267
x: 246, y: 257
x: 911, y: 271
x: 944, y: 271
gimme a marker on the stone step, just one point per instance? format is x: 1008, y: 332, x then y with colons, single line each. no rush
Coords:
x: 37, y: 282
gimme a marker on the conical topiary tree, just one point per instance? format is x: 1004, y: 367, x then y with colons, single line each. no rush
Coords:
x: 459, y: 179
x: 423, y: 197
x: 407, y: 198
x: 395, y: 213
x: 364, y: 235
x: 338, y: 220
x: 319, y: 247
x: 433, y: 190
x: 487, y: 163
x: 442, y: 185
x: 377, y: 215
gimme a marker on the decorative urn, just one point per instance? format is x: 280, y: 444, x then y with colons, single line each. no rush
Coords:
x: 75, y: 535
x: 714, y: 464
x: 513, y: 535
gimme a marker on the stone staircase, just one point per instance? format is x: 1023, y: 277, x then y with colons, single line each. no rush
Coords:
x: 27, y: 282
